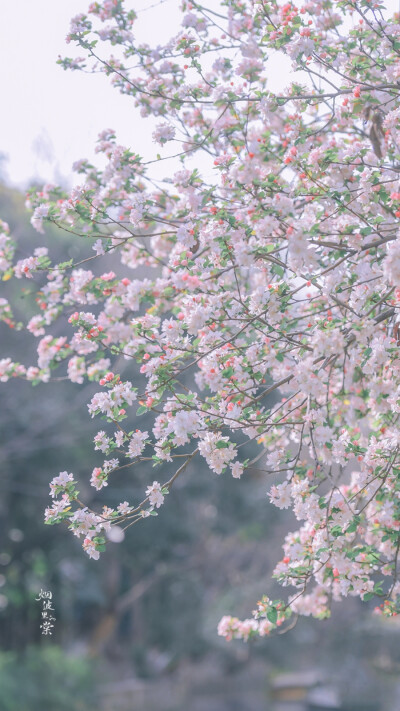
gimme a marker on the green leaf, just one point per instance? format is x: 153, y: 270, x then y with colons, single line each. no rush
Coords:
x: 279, y: 271
x: 65, y: 265
x: 368, y: 596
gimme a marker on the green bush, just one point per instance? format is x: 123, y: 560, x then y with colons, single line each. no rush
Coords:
x: 45, y: 678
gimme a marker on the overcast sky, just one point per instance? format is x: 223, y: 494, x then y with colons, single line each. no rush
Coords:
x: 50, y: 117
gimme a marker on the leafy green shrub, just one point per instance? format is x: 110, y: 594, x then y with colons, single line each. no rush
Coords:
x: 45, y: 678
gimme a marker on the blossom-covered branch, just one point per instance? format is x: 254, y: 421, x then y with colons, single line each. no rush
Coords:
x: 267, y: 261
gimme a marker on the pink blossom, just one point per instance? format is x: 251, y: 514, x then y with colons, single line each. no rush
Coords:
x: 155, y: 495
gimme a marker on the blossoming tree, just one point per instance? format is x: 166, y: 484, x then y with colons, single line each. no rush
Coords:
x: 268, y: 262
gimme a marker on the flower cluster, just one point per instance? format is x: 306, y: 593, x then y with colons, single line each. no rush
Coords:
x: 258, y: 294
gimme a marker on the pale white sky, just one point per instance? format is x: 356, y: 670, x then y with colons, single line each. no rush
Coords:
x: 50, y: 117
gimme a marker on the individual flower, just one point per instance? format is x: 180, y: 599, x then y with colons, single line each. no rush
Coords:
x: 155, y: 495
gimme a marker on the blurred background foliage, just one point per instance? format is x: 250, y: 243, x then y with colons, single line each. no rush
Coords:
x: 143, y: 619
